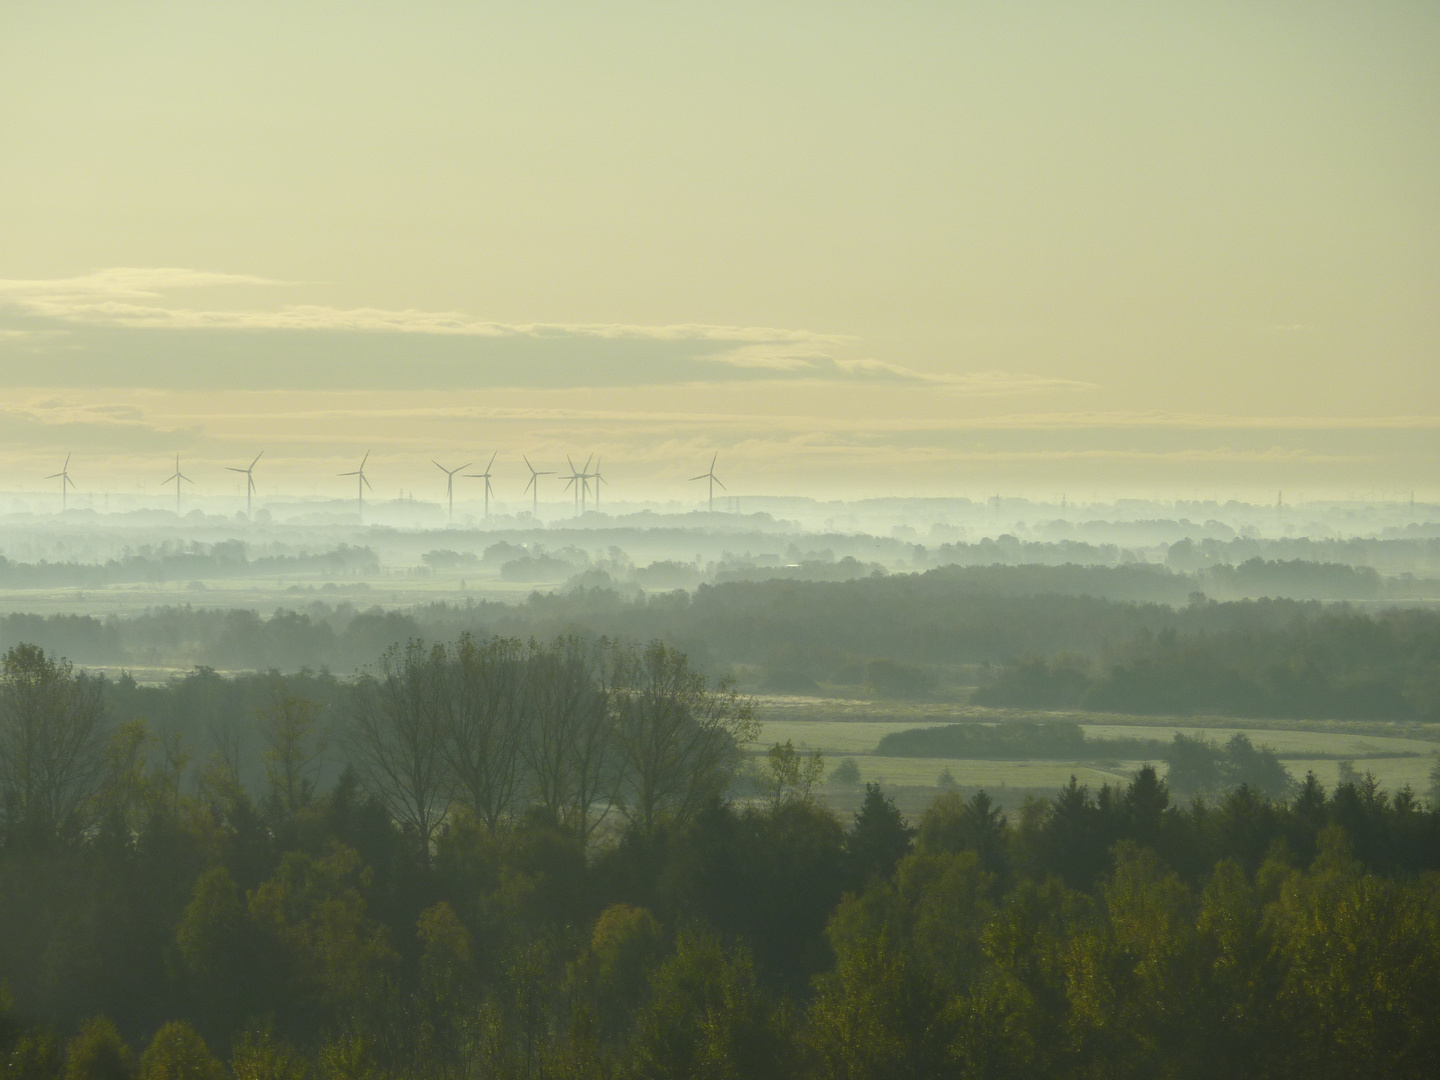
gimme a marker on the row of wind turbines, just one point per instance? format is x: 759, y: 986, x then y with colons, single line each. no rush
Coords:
x: 577, y: 479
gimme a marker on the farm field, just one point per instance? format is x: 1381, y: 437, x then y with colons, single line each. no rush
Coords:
x: 853, y: 728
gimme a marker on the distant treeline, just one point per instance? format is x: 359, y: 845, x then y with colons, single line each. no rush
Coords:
x: 1057, y: 639
x: 188, y: 562
x: 1398, y: 555
x: 947, y: 616
x: 1015, y: 740
x: 1339, y: 665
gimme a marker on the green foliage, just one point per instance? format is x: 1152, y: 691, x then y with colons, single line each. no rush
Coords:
x: 177, y: 1052
x: 786, y: 777
x: 1062, y: 740
x: 258, y: 1056
x: 951, y: 825
x: 846, y: 771
x: 1198, y: 766
x: 312, y: 914
x: 1094, y: 933
x: 880, y: 836
x: 708, y: 1019
x: 98, y: 1053
x: 32, y: 1056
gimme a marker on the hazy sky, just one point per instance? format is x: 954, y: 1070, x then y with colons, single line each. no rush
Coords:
x: 949, y: 248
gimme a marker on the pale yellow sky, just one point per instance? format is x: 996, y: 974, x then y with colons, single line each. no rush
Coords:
x: 917, y: 248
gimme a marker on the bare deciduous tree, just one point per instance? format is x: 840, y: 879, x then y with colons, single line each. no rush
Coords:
x: 484, y: 715
x: 678, y: 737
x: 295, y: 743
x: 397, y: 737
x: 52, y: 744
x: 567, y: 748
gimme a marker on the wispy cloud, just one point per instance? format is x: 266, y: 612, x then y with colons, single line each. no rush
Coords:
x: 799, y: 361
x: 114, y: 297
x: 117, y: 316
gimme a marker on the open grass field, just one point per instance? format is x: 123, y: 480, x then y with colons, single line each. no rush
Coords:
x: 861, y: 737
x: 1397, y: 754
x: 916, y: 714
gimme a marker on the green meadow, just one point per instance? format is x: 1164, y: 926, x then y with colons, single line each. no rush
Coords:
x: 1396, y: 754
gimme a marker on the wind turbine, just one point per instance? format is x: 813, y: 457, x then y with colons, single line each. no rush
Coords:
x: 66, y: 483
x: 486, y: 477
x: 535, y: 475
x: 360, y: 485
x: 450, y: 483
x: 598, y: 481
x: 583, y: 487
x: 177, y: 478
x: 249, y: 479
x: 709, y: 474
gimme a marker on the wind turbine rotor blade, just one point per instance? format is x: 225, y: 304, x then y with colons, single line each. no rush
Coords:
x: 257, y: 459
x: 355, y: 473
x: 702, y: 476
x: 722, y: 486
x: 529, y: 485
x: 437, y: 464
x: 366, y: 482
x: 492, y: 462
x: 232, y: 468
x: 364, y: 459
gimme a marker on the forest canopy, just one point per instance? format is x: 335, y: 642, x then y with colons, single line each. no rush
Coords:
x: 449, y: 907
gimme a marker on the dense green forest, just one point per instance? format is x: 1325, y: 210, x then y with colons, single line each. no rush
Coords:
x: 542, y: 864
x: 1340, y: 665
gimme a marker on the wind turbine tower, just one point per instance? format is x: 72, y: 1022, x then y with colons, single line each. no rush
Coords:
x: 486, y: 477
x: 177, y: 478
x: 361, y: 483
x: 581, y: 480
x: 249, y: 479
x: 710, y: 475
x: 598, y: 481
x: 450, y: 484
x: 66, y: 483
x: 535, y: 475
